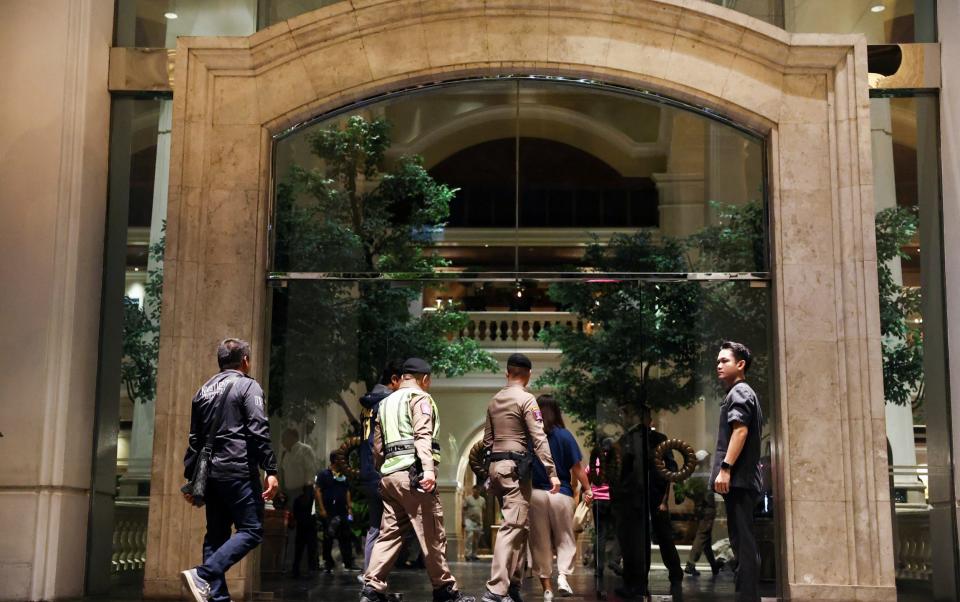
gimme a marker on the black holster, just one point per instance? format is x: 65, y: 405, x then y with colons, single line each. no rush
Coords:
x: 523, y: 462
x: 416, y: 475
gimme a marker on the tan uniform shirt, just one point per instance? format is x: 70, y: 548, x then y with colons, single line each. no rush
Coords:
x: 421, y: 416
x: 513, y: 413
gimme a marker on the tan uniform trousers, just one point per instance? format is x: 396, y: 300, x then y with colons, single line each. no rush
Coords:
x: 551, y: 528
x: 404, y: 507
x: 509, y: 552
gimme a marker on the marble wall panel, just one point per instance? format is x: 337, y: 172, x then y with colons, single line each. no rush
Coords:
x: 806, y: 224
x: 819, y: 542
x: 235, y: 100
x: 573, y: 40
x: 189, y: 222
x: 755, y: 83
x: 516, y: 38
x: 815, y: 475
x: 809, y: 301
x: 464, y: 41
x: 812, y: 380
x: 193, y: 160
x: 233, y: 159
x: 339, y: 67
x: 804, y: 98
x: 699, y: 65
x: 636, y: 49
x: 396, y: 51
x: 804, y: 156
x: 231, y: 223
x: 283, y: 88
x: 184, y: 320
x: 226, y: 289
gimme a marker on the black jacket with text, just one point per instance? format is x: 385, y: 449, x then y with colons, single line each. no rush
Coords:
x: 242, y: 443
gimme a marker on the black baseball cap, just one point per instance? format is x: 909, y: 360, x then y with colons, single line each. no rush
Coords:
x: 520, y: 361
x: 415, y: 365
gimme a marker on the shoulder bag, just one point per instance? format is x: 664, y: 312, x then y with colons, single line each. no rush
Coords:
x: 197, y: 486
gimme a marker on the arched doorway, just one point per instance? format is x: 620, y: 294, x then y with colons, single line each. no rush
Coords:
x: 802, y: 95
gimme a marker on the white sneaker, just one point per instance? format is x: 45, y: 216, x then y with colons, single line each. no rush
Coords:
x: 547, y: 596
x: 563, y: 587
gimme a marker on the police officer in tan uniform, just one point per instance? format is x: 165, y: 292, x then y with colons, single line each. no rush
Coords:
x: 513, y: 421
x: 406, y: 450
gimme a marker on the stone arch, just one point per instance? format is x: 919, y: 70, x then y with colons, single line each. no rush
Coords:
x: 806, y: 93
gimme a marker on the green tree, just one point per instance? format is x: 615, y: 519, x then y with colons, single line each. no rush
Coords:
x: 355, y: 217
x: 141, y: 333
x: 655, y: 342
x: 899, y: 310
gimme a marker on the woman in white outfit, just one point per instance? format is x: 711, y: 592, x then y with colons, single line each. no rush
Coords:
x: 551, y: 516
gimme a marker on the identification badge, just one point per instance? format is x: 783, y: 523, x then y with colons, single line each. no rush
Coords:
x: 425, y: 408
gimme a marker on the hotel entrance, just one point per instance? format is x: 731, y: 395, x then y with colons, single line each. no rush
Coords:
x: 615, y: 237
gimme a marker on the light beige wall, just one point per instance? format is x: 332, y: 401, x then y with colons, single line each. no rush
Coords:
x: 54, y: 123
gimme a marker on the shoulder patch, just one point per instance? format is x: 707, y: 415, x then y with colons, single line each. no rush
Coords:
x: 425, y: 408
x: 537, y: 414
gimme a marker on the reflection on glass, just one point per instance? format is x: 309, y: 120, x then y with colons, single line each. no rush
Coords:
x: 597, y: 172
x: 906, y: 184
x: 270, y: 12
x: 882, y: 21
x: 655, y: 344
x: 158, y: 23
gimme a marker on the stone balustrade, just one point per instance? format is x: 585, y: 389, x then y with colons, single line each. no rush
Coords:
x: 130, y: 535
x: 517, y: 328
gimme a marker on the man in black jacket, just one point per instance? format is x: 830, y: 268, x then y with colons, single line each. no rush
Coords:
x: 369, y: 476
x: 241, y: 447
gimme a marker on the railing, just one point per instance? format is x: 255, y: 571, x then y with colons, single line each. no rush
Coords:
x: 517, y: 328
x: 913, y: 554
x: 129, y: 534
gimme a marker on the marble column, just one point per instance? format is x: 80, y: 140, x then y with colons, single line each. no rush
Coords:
x: 54, y: 127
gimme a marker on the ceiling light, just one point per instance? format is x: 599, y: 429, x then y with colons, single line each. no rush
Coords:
x: 878, y: 8
x: 174, y: 15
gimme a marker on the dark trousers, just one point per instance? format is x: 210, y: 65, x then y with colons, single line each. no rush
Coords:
x: 703, y: 541
x: 344, y: 540
x: 740, y: 503
x: 375, y: 506
x: 306, y: 539
x: 630, y: 531
x: 230, y: 503
x: 668, y: 550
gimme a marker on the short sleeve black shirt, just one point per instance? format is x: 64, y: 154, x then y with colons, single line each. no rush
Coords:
x: 740, y: 405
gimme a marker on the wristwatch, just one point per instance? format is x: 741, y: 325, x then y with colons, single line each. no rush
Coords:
x: 725, y: 465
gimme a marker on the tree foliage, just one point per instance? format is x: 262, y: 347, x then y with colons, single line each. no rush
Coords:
x: 899, y: 308
x: 141, y: 333
x: 655, y: 343
x: 355, y: 216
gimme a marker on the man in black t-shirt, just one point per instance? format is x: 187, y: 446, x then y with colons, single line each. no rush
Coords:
x: 333, y: 507
x: 736, y: 469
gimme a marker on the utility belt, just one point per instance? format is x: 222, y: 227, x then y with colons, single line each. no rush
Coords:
x: 523, y: 460
x: 405, y: 447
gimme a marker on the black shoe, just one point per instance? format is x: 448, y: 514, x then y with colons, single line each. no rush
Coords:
x: 448, y: 594
x: 489, y: 596
x: 328, y: 569
x: 716, y: 567
x: 691, y: 569
x: 514, y: 592
x: 676, y: 590
x: 368, y: 594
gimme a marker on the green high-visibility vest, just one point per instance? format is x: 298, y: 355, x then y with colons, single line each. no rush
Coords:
x: 396, y: 424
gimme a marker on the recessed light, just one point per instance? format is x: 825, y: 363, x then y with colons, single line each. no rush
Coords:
x: 174, y: 15
x: 878, y: 8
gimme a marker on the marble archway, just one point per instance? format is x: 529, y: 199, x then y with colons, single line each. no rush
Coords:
x: 806, y: 93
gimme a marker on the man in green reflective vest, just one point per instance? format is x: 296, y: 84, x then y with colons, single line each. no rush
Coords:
x: 406, y: 448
